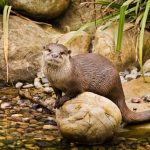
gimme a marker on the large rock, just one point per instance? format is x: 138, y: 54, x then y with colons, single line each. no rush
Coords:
x: 78, y: 14
x: 40, y: 9
x: 88, y: 119
x: 26, y: 40
x: 104, y: 43
x: 77, y: 42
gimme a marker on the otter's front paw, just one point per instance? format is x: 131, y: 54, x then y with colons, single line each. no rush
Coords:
x: 59, y: 102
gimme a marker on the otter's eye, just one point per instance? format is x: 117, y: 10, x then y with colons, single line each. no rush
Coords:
x: 49, y: 50
x: 62, y: 53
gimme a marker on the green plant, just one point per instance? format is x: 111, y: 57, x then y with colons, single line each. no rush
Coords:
x: 2, y: 4
x: 135, y: 11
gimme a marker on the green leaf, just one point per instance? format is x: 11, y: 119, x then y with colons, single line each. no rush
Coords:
x: 121, y: 24
x: 141, y: 37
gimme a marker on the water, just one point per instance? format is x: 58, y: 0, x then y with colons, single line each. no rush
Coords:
x: 22, y: 127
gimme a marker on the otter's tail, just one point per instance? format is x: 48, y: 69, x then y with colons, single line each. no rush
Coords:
x: 133, y: 117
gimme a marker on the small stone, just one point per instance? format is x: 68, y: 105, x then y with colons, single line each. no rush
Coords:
x: 44, y: 80
x: 1, y: 101
x: 37, y: 83
x: 2, y: 116
x: 5, y: 105
x: 28, y: 86
x: 49, y: 127
x: 124, y: 73
x: 122, y: 79
x: 19, y: 85
x: 147, y: 98
x: 48, y: 90
x: 26, y: 119
x: 46, y: 85
x: 130, y: 77
x: 39, y: 109
x: 136, y: 100
x: 33, y: 121
x: 17, y: 117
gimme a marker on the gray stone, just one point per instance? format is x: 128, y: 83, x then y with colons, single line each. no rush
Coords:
x: 122, y: 79
x: 37, y: 83
x: 44, y: 80
x: 49, y: 127
x: 19, y: 85
x: 5, y: 105
x: 147, y: 97
x: 28, y: 86
x: 48, y: 90
x: 46, y: 85
x: 39, y: 109
x: 130, y: 77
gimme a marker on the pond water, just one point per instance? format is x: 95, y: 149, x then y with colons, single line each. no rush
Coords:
x: 25, y: 125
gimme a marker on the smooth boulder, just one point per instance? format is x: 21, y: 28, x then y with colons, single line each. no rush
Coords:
x: 41, y: 10
x: 88, y: 119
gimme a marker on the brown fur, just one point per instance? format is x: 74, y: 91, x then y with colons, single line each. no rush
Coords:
x: 93, y: 73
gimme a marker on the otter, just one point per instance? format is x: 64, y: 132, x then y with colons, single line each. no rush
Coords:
x: 86, y: 72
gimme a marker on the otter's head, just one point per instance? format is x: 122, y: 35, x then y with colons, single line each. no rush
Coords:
x: 56, y: 54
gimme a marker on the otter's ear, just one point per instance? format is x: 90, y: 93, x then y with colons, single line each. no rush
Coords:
x: 69, y: 51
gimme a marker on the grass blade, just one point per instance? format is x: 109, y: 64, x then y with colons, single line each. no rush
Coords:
x: 121, y: 24
x: 141, y: 37
x: 6, y: 13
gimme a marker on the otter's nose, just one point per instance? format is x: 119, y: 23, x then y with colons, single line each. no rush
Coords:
x: 54, y: 55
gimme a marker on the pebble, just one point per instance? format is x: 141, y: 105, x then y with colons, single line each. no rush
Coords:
x: 1, y: 101
x: 136, y: 100
x: 147, y: 98
x: 39, y: 109
x: 28, y: 86
x: 46, y: 85
x: 48, y: 90
x: 44, y: 80
x: 37, y: 83
x: 26, y: 119
x: 17, y: 117
x: 122, y: 79
x: 49, y: 127
x: 19, y: 85
x: 5, y: 105
x: 130, y: 77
